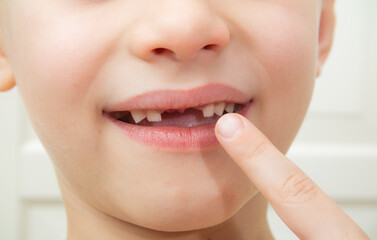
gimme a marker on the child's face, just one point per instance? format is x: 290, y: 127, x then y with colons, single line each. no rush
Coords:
x: 74, y: 58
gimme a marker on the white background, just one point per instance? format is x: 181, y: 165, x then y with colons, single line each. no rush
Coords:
x: 336, y: 146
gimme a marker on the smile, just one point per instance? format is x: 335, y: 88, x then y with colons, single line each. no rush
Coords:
x: 190, y: 117
x: 177, y: 120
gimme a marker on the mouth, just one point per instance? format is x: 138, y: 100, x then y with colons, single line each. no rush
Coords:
x: 183, y: 120
x: 190, y: 117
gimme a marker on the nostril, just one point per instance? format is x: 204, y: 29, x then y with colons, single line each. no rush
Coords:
x: 163, y: 52
x: 209, y: 47
x: 159, y: 51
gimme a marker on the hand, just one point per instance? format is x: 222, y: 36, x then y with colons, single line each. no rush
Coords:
x: 298, y: 201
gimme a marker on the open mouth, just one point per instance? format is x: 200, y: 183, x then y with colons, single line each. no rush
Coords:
x: 189, y: 117
x: 177, y: 120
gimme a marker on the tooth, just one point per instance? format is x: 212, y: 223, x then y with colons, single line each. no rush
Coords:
x: 154, y: 116
x: 138, y: 115
x: 229, y: 107
x: 208, y: 110
x: 219, y: 108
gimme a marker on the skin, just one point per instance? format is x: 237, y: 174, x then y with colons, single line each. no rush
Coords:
x: 70, y: 59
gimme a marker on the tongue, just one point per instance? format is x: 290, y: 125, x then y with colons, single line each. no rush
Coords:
x: 190, y: 118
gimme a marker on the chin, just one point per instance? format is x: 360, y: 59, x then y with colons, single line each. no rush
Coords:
x: 188, y: 210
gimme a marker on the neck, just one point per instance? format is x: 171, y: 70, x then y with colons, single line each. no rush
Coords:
x: 86, y: 222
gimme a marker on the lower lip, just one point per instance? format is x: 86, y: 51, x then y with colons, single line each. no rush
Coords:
x: 168, y: 138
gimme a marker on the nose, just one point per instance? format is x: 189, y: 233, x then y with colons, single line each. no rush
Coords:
x: 180, y: 30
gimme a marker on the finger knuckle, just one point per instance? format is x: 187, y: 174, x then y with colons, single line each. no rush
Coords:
x: 261, y: 147
x: 255, y: 152
x: 298, y: 188
x: 258, y: 149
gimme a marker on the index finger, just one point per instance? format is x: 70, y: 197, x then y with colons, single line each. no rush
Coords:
x: 298, y: 201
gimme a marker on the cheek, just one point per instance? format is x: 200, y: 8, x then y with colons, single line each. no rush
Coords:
x: 285, y: 45
x: 60, y: 65
x: 58, y: 60
x: 287, y: 52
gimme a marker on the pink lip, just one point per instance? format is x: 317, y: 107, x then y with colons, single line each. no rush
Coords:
x: 171, y: 138
x: 178, y: 99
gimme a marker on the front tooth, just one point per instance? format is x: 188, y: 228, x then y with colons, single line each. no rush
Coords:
x: 154, y: 116
x: 219, y: 108
x: 229, y: 107
x: 208, y: 110
x: 138, y: 115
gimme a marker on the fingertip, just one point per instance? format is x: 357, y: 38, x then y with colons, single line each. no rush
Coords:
x: 229, y: 126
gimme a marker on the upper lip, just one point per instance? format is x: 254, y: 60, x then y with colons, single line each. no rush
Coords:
x: 182, y: 99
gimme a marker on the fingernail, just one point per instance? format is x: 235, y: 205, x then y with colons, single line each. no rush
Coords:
x: 229, y: 126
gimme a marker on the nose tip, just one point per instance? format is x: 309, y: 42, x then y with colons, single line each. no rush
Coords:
x: 180, y: 37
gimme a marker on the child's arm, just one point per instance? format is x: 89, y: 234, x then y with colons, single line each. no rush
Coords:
x: 298, y: 201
